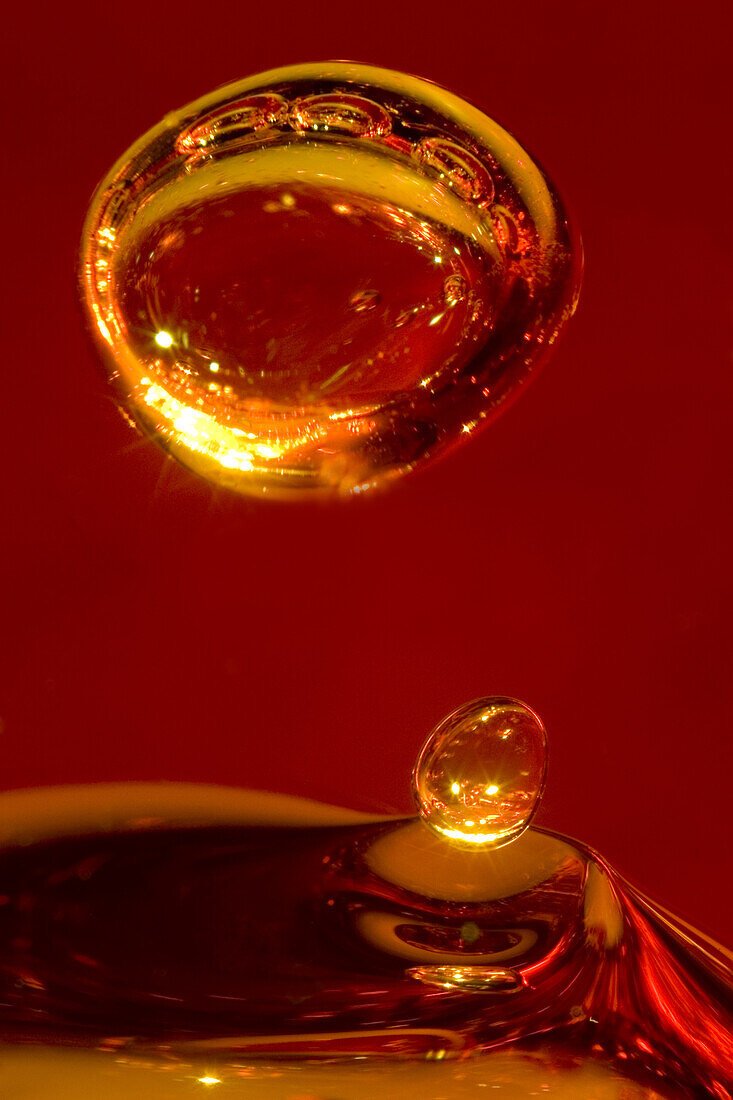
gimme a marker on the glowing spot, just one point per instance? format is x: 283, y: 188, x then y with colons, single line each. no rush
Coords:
x: 471, y: 979
x: 267, y: 450
x: 470, y: 838
x: 437, y: 259
x: 163, y: 339
x: 209, y: 1080
x: 493, y: 789
x: 187, y: 421
x: 214, y: 367
x: 455, y: 788
x: 197, y: 431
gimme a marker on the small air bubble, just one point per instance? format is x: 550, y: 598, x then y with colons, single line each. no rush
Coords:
x: 454, y: 290
x: 363, y: 300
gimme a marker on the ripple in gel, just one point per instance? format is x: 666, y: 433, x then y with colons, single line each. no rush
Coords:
x: 322, y: 276
x: 480, y: 774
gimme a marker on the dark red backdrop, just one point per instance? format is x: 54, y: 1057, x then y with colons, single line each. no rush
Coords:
x: 577, y: 555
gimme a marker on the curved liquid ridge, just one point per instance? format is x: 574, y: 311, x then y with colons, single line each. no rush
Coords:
x: 271, y: 953
x: 322, y: 276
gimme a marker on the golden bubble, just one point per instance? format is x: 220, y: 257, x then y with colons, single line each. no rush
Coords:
x: 366, y: 262
x: 480, y: 774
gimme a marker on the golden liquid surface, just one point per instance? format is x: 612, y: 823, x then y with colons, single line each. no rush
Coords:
x: 548, y: 1069
x: 169, y: 940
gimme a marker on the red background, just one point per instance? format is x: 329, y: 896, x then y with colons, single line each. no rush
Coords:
x: 576, y: 555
